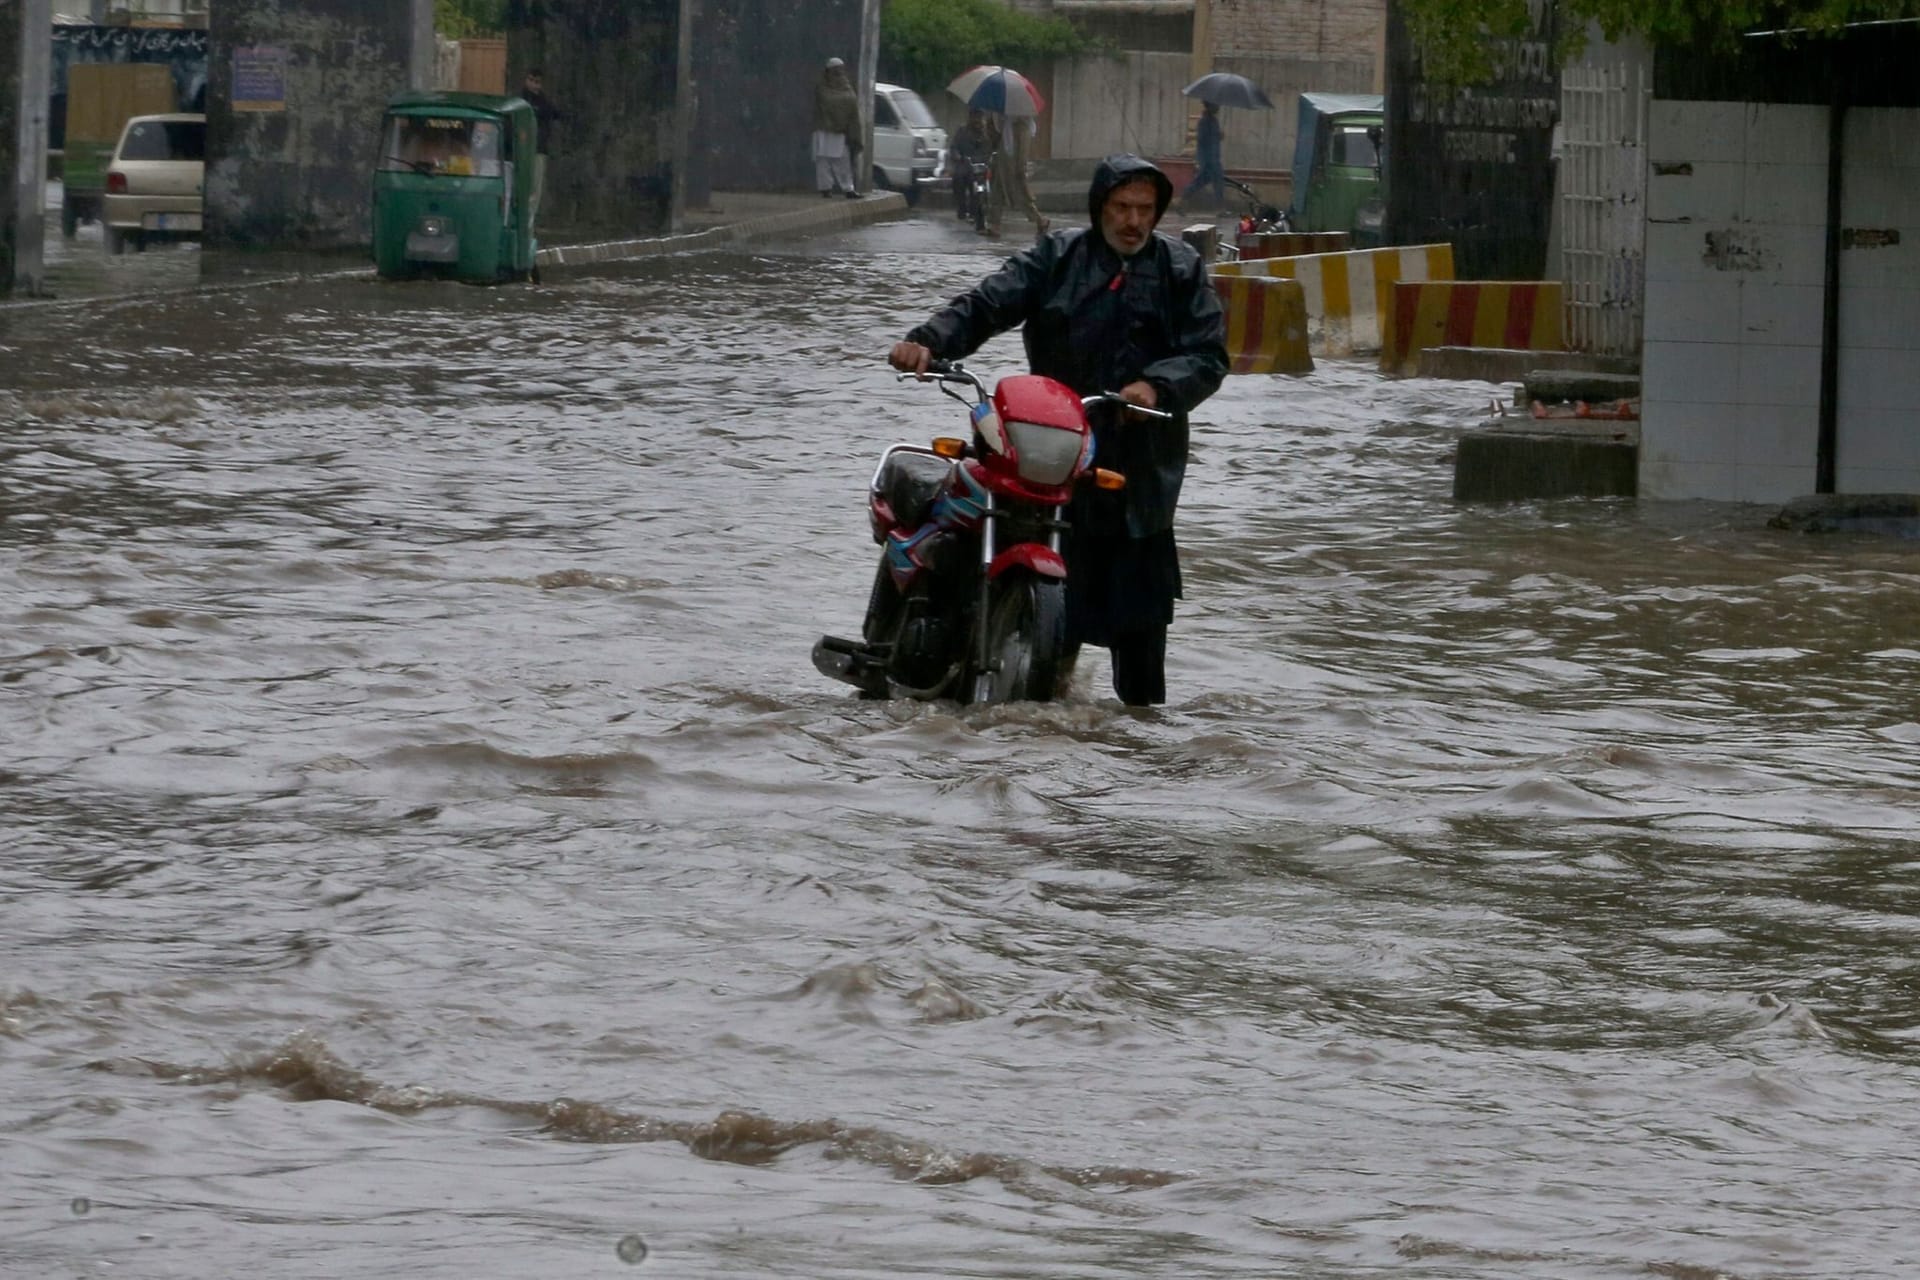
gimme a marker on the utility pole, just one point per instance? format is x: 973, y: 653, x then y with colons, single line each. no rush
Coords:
x: 28, y: 81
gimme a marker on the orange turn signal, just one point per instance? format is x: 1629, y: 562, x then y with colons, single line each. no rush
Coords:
x: 1105, y: 479
x: 949, y: 446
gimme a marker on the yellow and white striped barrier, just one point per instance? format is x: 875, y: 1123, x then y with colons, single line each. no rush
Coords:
x: 1349, y: 294
x: 1266, y: 324
x: 1509, y: 315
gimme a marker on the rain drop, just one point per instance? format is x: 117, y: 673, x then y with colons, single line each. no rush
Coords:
x: 81, y: 1206
x: 632, y: 1249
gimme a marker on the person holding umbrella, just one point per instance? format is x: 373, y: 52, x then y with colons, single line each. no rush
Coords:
x: 1013, y: 104
x: 1216, y: 90
x: 1208, y: 168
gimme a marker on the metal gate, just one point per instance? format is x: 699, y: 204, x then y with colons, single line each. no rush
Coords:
x: 1603, y: 183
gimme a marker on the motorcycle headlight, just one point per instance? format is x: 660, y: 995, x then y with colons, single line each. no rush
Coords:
x: 1047, y: 455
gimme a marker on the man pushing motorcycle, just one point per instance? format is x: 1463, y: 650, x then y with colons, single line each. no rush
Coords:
x: 1112, y: 306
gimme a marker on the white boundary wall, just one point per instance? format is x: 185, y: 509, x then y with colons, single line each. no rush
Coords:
x: 1736, y: 245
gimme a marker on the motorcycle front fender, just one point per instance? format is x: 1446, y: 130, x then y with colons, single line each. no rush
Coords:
x: 1042, y: 560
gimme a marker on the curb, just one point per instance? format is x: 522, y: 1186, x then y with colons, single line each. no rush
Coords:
x: 834, y: 217
x: 1524, y: 460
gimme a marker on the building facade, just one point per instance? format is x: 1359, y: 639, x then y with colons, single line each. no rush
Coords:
x: 1130, y: 100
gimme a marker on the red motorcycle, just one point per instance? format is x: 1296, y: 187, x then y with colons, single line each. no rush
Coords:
x: 969, y: 601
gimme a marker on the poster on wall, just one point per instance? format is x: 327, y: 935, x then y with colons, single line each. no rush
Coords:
x: 259, y: 78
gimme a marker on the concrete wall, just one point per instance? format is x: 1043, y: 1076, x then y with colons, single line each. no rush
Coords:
x: 613, y: 68
x: 755, y: 65
x: 299, y: 178
x: 1341, y: 30
x: 1736, y: 271
x: 1879, y: 450
x: 1133, y: 103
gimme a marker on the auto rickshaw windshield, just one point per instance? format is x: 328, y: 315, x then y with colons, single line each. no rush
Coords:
x: 453, y: 145
x: 1353, y: 147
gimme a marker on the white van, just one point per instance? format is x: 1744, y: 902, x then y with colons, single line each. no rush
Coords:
x: 909, y: 146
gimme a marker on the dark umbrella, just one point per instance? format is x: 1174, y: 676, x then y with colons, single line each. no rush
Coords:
x: 1224, y: 89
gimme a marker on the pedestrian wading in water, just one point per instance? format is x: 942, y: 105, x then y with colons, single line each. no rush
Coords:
x: 1113, y: 307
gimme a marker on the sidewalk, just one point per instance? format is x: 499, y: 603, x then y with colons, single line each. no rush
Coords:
x: 80, y: 273
x: 735, y: 217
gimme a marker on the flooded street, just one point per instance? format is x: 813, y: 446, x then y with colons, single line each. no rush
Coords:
x: 431, y: 853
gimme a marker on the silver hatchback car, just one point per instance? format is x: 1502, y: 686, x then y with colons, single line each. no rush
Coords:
x: 155, y: 182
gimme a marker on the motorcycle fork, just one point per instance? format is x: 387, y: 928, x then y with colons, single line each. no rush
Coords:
x: 984, y: 660
x: 989, y: 520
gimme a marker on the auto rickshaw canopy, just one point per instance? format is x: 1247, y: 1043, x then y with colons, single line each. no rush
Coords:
x: 1318, y: 112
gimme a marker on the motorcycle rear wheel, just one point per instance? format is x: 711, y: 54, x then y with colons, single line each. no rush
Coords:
x: 1027, y: 639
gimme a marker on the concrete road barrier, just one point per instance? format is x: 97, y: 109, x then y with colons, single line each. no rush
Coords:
x: 1266, y: 324
x: 1349, y: 294
x: 1511, y: 315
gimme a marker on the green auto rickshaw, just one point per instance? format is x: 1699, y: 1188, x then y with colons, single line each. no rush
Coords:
x: 1337, y: 165
x: 453, y: 195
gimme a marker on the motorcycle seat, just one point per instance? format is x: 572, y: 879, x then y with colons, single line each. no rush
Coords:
x: 909, y: 483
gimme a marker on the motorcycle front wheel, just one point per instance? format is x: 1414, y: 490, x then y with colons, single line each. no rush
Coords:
x: 980, y: 199
x: 1026, y: 640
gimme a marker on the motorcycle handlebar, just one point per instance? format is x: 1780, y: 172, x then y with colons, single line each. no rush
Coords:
x: 1114, y: 397
x: 945, y: 371
x: 954, y: 371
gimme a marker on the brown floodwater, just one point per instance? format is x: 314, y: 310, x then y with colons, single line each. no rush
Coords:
x: 429, y: 851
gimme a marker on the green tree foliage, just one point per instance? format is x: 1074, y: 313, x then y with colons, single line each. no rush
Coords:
x: 458, y: 19
x: 1452, y: 33
x: 926, y: 43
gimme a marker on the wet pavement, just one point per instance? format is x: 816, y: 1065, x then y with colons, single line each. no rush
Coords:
x: 430, y: 851
x: 79, y: 269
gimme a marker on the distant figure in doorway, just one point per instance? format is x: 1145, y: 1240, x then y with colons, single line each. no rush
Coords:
x: 545, y: 117
x: 1208, y: 168
x: 836, y: 131
x: 1010, y: 176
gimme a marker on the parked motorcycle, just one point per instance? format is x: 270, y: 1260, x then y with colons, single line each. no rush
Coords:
x: 1260, y: 216
x: 969, y: 600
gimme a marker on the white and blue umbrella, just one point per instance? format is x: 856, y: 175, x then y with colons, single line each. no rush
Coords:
x: 998, y: 89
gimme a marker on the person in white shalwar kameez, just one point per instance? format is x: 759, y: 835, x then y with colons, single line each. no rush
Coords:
x: 836, y: 131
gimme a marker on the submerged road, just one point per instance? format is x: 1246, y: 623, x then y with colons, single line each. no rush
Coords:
x: 429, y: 851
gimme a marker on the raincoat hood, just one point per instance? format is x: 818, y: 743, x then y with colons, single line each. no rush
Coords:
x: 1117, y: 170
